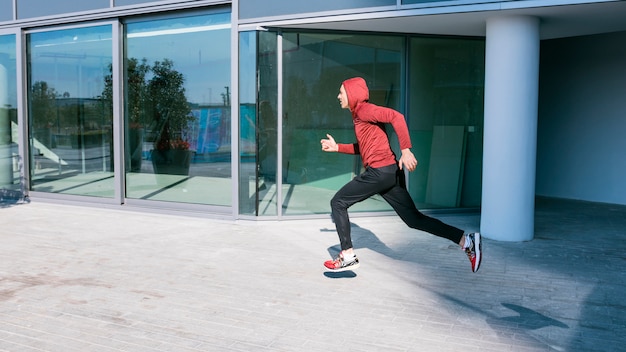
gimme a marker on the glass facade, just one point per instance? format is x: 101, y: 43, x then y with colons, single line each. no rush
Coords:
x: 269, y: 135
x: 10, y: 162
x: 299, y: 74
x: 258, y: 129
x: 248, y: 150
x: 258, y: 124
x: 314, y: 65
x: 258, y: 9
x: 131, y: 2
x: 70, y: 116
x: 408, y: 2
x: 445, y: 103
x: 6, y: 10
x: 155, y: 128
x: 37, y: 8
x: 177, y: 111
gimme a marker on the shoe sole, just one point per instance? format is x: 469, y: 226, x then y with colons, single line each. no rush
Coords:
x: 345, y: 268
x: 478, y: 249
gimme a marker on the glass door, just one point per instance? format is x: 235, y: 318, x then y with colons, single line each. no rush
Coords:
x: 10, y: 163
x: 314, y: 67
x: 177, y: 123
x: 70, y: 115
x: 297, y: 76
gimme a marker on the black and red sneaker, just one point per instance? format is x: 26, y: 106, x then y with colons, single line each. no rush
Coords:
x: 342, y: 264
x: 473, y: 249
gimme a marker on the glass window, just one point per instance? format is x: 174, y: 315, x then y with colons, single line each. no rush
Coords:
x: 444, y: 112
x: 177, y: 113
x: 6, y: 10
x: 268, y: 124
x: 314, y: 66
x: 408, y: 2
x: 257, y: 125
x: 70, y: 118
x: 247, y: 123
x: 10, y: 164
x: 37, y: 8
x: 131, y: 2
x: 446, y: 87
x: 256, y: 8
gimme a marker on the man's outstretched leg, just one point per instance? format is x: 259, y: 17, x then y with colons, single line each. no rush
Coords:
x: 400, y: 200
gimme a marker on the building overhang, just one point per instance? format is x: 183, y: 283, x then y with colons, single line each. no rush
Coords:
x: 559, y: 19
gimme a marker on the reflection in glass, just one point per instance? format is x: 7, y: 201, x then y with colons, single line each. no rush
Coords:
x: 258, y: 138
x: 314, y: 67
x: 445, y: 117
x: 177, y: 110
x: 70, y: 119
x: 267, y: 125
x: 248, y: 154
x: 10, y: 164
x: 40, y: 8
x: 257, y: 9
x: 408, y: 2
x: 446, y: 87
x: 6, y: 10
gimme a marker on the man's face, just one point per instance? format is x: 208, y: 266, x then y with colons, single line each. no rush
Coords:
x: 343, y: 98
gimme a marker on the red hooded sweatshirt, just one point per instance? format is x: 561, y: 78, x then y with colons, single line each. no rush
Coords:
x: 369, y: 120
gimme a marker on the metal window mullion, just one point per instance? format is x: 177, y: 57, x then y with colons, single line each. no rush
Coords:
x: 22, y: 111
x: 279, y: 127
x: 118, y: 112
x: 235, y: 158
x: 404, y: 79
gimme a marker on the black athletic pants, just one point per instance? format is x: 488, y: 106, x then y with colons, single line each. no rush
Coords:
x: 390, y: 183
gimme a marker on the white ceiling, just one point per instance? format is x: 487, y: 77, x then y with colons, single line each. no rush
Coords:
x: 557, y: 21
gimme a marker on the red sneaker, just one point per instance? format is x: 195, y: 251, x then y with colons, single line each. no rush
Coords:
x: 341, y: 264
x: 474, y: 250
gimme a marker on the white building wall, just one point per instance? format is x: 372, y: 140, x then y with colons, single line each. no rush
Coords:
x: 582, y: 119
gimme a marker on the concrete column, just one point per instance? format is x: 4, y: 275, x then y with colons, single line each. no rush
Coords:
x: 510, y: 132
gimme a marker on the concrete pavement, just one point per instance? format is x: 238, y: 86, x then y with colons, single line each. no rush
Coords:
x: 88, y: 279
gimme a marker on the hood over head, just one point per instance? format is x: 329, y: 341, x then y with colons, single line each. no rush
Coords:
x: 357, y: 92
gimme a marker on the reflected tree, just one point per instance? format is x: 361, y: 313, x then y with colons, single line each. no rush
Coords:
x: 172, y: 112
x: 43, y: 104
x: 155, y: 103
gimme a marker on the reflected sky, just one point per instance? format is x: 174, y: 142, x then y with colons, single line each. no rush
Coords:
x: 72, y: 61
x: 8, y: 93
x: 75, y: 61
x: 199, y: 46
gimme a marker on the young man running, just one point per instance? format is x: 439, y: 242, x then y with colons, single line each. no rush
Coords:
x: 383, y: 175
